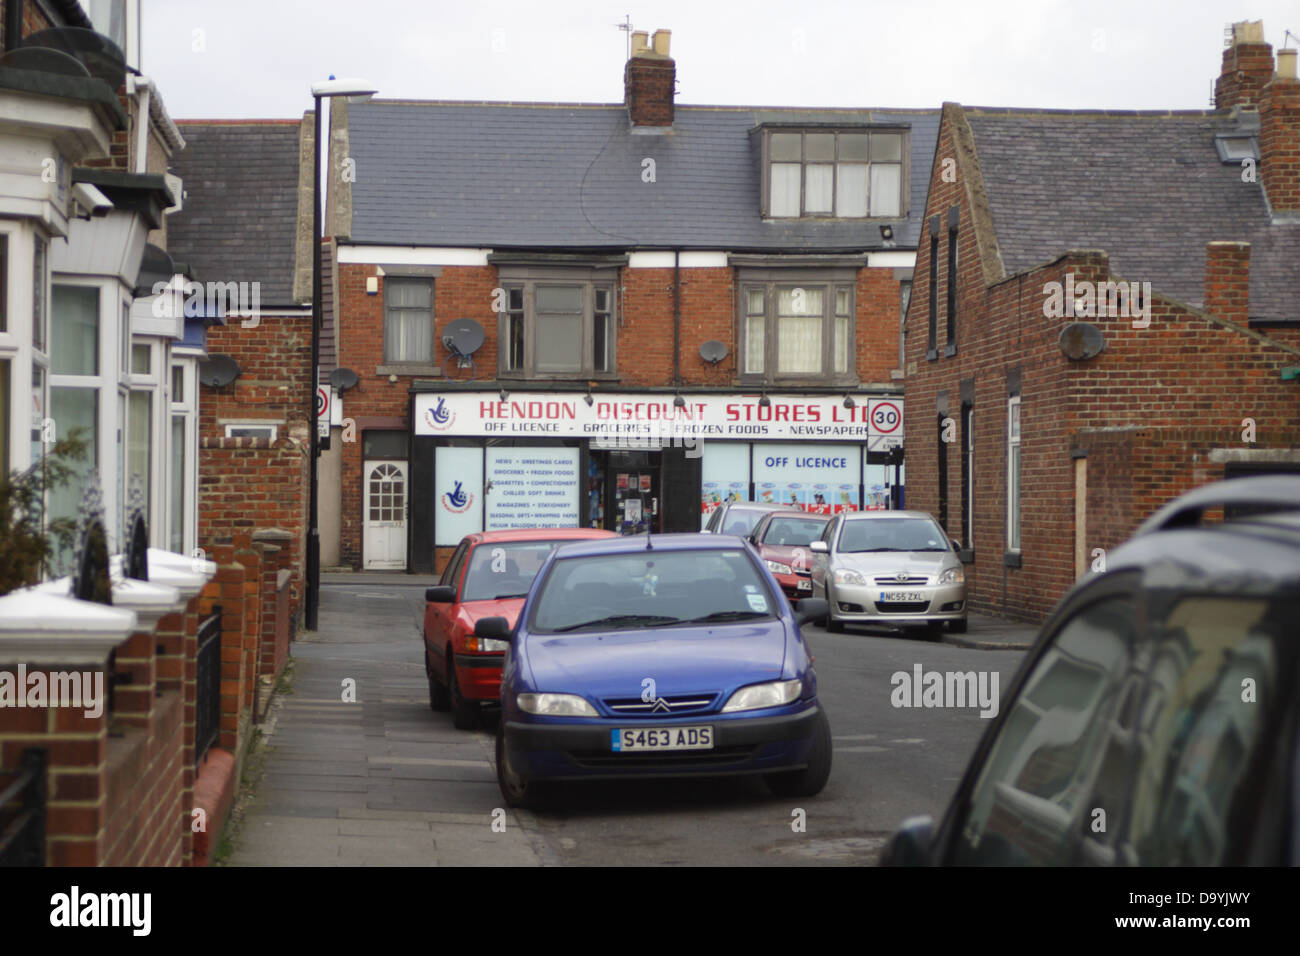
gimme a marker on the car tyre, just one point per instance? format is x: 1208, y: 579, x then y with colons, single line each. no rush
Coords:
x: 832, y: 625
x: 464, y: 713
x: 957, y: 627
x: 438, y: 700
x: 811, y: 779
x: 517, y: 791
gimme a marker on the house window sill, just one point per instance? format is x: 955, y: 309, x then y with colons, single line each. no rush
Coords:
x: 422, y: 370
x: 1011, y: 559
x: 967, y: 555
x: 950, y: 350
x: 931, y: 355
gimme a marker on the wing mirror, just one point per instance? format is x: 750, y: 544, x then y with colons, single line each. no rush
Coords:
x: 440, y: 594
x: 911, y: 845
x: 492, y: 628
x: 810, y: 609
x: 819, y: 547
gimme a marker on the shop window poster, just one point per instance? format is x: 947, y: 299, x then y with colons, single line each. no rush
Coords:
x: 715, y: 493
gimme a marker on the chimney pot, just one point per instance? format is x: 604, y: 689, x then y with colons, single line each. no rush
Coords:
x: 649, y: 81
x: 1247, y: 66
x: 661, y: 41
x: 1286, y: 64
x: 640, y: 42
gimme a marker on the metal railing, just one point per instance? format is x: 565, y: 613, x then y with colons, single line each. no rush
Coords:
x: 22, y: 813
x: 207, y: 700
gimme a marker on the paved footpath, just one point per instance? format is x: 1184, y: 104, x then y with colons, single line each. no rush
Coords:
x: 382, y: 781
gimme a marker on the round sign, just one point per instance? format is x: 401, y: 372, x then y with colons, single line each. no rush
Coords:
x: 885, y: 417
x: 322, y: 401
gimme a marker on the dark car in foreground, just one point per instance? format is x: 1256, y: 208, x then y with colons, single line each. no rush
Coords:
x: 667, y: 656
x: 1154, y: 722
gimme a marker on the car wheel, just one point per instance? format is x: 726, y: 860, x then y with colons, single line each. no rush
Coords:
x: 516, y: 790
x: 464, y: 713
x: 811, y: 779
x: 957, y: 627
x: 438, y: 701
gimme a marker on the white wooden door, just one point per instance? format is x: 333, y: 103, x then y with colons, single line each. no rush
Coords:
x: 385, y: 515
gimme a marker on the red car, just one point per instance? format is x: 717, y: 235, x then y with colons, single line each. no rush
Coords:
x: 782, y: 538
x: 488, y: 575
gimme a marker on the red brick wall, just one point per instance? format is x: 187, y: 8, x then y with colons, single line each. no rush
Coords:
x: 1279, y: 143
x: 1183, y: 386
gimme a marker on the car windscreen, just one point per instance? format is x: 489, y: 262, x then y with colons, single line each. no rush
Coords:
x: 794, y: 531
x: 505, y: 569
x: 740, y: 521
x: 892, y: 534
x: 651, y: 589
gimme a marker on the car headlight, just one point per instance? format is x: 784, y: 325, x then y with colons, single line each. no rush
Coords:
x: 772, y: 694
x: 556, y: 705
x: 483, y: 644
x: 849, y: 576
x: 952, y: 576
x: 776, y: 567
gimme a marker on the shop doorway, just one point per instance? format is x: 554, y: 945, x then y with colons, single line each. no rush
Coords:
x: 384, y: 487
x: 633, y: 495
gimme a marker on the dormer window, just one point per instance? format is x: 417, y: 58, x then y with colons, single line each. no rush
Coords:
x: 834, y: 174
x: 1233, y: 149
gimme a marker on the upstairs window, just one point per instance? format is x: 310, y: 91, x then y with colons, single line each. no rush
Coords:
x: 554, y: 326
x: 829, y: 174
x: 408, y: 321
x: 797, y: 331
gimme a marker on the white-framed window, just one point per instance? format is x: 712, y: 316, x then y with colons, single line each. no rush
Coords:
x: 408, y: 320
x: 558, y: 324
x: 797, y: 330
x: 834, y: 174
x: 251, y: 430
x: 1013, y: 473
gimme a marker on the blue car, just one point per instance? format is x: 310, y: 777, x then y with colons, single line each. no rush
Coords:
x: 675, y: 655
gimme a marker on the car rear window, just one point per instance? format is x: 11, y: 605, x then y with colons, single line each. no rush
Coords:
x: 651, y: 589
x: 740, y: 521
x: 506, y: 569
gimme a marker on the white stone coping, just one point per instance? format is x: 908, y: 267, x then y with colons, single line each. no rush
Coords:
x: 41, y: 626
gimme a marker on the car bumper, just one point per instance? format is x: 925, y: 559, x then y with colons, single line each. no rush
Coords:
x: 741, y: 745
x: 479, y: 676
x: 795, y: 586
x: 946, y: 602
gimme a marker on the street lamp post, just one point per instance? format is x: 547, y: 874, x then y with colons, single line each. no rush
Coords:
x: 357, y: 91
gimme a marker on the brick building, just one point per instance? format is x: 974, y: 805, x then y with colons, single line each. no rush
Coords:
x: 1104, y: 316
x: 668, y: 305
x: 246, y: 223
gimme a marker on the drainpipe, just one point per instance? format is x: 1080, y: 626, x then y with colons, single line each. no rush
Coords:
x: 13, y: 25
x: 677, y: 319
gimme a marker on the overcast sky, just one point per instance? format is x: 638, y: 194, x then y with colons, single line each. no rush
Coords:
x: 258, y: 58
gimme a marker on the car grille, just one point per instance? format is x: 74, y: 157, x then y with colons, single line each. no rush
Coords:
x: 902, y: 607
x: 682, y: 759
x: 663, y: 706
x: 889, y: 580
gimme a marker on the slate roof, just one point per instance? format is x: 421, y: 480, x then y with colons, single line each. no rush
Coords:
x: 239, y: 222
x: 1148, y: 188
x: 504, y: 175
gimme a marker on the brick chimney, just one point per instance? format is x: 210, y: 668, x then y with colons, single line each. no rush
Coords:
x: 649, y: 79
x: 1247, y: 66
x: 1227, y: 280
x: 1279, y: 137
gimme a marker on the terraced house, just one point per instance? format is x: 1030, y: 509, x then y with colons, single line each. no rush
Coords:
x: 613, y: 315
x: 1047, y: 412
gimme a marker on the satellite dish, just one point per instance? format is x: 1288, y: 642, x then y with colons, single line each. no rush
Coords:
x: 463, y: 337
x: 155, y: 266
x: 1081, y: 340
x: 218, y: 371
x: 44, y: 60
x: 343, y: 379
x: 713, y: 351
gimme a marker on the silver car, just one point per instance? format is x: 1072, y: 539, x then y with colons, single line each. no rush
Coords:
x: 889, y: 567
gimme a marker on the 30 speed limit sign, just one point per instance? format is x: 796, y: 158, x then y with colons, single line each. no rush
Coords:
x: 886, y: 418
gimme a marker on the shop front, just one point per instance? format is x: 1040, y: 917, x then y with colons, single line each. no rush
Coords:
x: 631, y: 462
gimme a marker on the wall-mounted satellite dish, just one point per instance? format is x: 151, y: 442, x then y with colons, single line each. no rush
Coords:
x: 1081, y: 340
x: 343, y: 379
x: 97, y: 53
x: 155, y: 266
x: 218, y: 371
x: 463, y: 337
x: 713, y: 351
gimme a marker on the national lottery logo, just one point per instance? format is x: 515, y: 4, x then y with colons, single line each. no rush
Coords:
x: 458, y: 500
x: 440, y: 417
